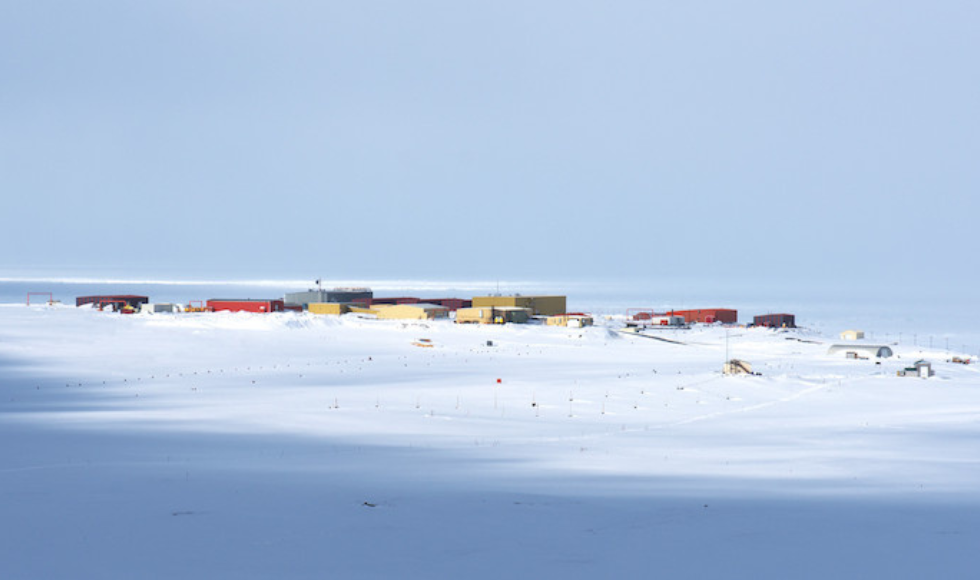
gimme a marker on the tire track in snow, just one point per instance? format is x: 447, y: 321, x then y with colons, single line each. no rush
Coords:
x: 750, y: 408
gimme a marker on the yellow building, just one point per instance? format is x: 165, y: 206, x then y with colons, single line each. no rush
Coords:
x: 737, y: 367
x: 492, y: 315
x: 539, y: 305
x: 573, y: 320
x: 412, y: 312
x: 328, y: 308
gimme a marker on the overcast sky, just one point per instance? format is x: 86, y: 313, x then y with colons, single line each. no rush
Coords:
x: 491, y: 139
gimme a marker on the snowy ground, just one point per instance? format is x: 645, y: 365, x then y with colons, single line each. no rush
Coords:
x: 272, y: 446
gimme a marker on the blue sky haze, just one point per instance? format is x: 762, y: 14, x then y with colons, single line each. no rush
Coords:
x: 832, y: 141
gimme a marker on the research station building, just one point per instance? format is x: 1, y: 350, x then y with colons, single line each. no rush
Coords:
x: 538, y: 305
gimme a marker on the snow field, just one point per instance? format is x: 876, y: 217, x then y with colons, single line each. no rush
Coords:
x: 289, y: 445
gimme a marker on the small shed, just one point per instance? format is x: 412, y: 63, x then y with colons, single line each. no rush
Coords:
x: 920, y: 368
x: 420, y: 311
x: 570, y: 319
x: 852, y: 335
x: 737, y: 367
x: 861, y: 350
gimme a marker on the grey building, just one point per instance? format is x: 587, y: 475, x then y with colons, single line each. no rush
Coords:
x: 861, y: 350
x: 341, y: 295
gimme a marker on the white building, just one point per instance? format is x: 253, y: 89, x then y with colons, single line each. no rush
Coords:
x: 861, y: 350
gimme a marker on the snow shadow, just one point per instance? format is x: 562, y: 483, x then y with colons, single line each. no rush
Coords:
x: 154, y: 505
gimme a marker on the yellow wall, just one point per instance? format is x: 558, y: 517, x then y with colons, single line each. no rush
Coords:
x: 410, y: 312
x: 539, y: 305
x: 327, y: 308
x: 482, y: 315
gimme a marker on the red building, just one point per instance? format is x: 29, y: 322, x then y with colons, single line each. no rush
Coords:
x: 708, y: 315
x: 450, y: 303
x: 246, y: 305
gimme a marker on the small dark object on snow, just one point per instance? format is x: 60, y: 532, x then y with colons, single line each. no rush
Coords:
x: 369, y: 504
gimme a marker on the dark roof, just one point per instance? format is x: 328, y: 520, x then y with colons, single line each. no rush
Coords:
x: 111, y: 296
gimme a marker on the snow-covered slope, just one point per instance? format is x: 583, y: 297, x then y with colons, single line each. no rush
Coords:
x: 237, y: 445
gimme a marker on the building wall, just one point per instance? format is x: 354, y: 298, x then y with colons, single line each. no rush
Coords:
x: 304, y: 298
x: 337, y: 295
x: 481, y: 315
x: 515, y: 315
x: 548, y: 305
x: 310, y: 296
x: 539, y: 305
x: 775, y: 320
x: 411, y: 312
x: 158, y: 307
x: 328, y: 308
x: 450, y: 303
x: 387, y: 300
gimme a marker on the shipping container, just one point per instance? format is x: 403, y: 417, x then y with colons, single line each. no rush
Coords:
x: 245, y: 305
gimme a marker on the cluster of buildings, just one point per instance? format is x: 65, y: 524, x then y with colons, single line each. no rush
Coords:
x: 494, y: 309
x: 644, y: 317
x: 550, y: 310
